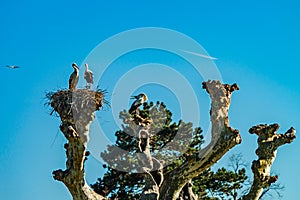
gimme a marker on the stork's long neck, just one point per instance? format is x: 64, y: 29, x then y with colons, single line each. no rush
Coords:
x: 76, y: 70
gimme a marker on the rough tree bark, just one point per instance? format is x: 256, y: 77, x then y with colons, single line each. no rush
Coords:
x: 223, y: 139
x: 76, y: 110
x: 268, y: 142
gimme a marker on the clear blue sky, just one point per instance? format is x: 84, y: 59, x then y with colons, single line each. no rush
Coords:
x: 256, y: 43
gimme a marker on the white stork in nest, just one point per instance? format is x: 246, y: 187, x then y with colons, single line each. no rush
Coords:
x: 73, y: 80
x: 88, y: 76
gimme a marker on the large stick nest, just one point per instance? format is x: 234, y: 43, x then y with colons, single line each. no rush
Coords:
x: 81, y: 102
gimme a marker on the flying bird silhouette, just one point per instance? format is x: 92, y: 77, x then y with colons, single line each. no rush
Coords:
x: 139, y: 100
x: 12, y: 66
x: 73, y: 80
x: 88, y: 76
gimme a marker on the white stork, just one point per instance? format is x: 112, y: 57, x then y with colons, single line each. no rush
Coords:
x: 140, y: 99
x: 73, y: 80
x: 88, y: 76
x: 12, y: 66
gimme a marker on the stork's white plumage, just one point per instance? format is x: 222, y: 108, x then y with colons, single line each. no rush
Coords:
x: 140, y: 99
x: 88, y: 76
x: 73, y: 80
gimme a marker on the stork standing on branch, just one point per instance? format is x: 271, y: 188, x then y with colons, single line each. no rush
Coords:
x: 89, y: 77
x: 73, y: 80
x: 140, y: 99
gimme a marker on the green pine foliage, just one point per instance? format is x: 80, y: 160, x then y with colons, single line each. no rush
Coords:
x: 222, y: 184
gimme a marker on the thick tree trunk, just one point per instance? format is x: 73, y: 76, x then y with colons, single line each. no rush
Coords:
x: 223, y: 139
x: 76, y: 110
x: 268, y: 142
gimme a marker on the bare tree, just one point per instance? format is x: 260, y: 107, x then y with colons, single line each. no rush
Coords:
x: 237, y: 162
x: 274, y: 188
